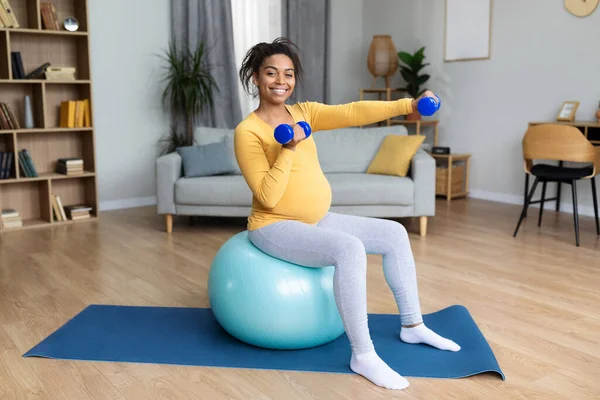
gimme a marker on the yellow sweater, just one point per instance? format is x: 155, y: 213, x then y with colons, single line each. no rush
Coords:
x: 290, y: 185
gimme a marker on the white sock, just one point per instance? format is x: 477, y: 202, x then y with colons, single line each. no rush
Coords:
x: 377, y: 371
x: 422, y: 334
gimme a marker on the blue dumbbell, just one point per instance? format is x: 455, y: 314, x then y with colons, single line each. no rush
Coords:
x: 284, y: 132
x: 428, y: 105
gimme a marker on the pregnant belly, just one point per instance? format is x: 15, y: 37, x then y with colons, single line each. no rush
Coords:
x: 307, y: 198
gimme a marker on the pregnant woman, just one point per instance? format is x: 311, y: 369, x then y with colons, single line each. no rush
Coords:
x: 290, y: 217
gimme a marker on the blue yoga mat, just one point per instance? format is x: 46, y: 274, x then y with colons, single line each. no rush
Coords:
x: 192, y: 336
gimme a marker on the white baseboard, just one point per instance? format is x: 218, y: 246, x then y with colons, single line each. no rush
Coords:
x: 127, y: 203
x: 514, y: 199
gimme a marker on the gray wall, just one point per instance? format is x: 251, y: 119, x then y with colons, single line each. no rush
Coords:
x: 127, y: 112
x: 346, y: 62
x: 541, y: 56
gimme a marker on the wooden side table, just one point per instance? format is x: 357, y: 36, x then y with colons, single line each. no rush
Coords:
x: 452, y: 180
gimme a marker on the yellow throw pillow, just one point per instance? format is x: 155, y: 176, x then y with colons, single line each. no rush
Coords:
x: 395, y: 154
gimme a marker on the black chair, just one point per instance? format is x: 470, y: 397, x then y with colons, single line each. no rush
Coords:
x: 554, y: 142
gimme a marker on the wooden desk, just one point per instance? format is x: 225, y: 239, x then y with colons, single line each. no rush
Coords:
x: 589, y: 129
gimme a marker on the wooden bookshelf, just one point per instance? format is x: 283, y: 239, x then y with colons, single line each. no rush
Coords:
x: 47, y: 141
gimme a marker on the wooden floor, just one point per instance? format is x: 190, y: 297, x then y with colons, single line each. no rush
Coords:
x: 536, y: 298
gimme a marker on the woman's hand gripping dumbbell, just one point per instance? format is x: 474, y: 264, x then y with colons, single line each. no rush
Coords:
x: 427, y: 104
x: 290, y: 136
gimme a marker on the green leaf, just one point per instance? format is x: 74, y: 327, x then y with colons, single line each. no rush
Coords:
x: 405, y: 57
x: 422, y: 79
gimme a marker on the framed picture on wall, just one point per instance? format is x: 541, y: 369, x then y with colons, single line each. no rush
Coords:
x: 467, y: 30
x: 567, y: 111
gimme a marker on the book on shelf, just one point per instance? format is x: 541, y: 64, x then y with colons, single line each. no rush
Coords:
x: 60, y: 73
x: 27, y: 165
x: 39, y: 72
x: 8, y: 120
x: 18, y: 71
x: 10, y: 218
x: 78, y: 212
x: 69, y: 166
x: 6, y: 164
x: 75, y: 114
x: 73, y: 212
x: 7, y: 16
x: 49, y: 18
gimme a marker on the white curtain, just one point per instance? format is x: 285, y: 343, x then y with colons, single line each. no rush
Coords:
x: 254, y: 21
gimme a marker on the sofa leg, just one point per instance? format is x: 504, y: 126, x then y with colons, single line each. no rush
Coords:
x: 169, y: 220
x: 423, y: 223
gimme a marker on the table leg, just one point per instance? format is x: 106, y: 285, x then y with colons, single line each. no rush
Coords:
x: 526, y: 192
x: 449, y: 188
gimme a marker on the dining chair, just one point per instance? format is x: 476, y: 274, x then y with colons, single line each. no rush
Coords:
x: 554, y: 142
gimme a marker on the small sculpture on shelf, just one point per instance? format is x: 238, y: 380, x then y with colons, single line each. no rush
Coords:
x: 28, y: 113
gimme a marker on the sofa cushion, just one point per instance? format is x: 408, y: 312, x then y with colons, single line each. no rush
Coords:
x: 206, y: 135
x: 395, y: 155
x: 209, y: 159
x: 366, y: 189
x: 351, y: 149
x: 224, y: 190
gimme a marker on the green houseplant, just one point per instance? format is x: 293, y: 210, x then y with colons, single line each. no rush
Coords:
x: 410, y: 69
x: 189, y: 88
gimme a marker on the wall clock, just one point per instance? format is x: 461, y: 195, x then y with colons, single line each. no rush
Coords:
x: 581, y: 8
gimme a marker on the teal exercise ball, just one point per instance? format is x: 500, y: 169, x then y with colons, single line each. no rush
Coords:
x: 271, y: 303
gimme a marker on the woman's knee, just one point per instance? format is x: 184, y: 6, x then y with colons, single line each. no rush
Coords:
x: 350, y: 249
x: 393, y: 231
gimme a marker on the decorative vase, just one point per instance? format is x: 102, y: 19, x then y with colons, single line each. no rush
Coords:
x: 382, y: 59
x: 28, y: 113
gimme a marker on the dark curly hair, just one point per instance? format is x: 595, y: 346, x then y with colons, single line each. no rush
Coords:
x: 258, y: 53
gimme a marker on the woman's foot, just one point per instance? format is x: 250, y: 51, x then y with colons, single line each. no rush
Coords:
x: 422, y: 334
x: 377, y: 371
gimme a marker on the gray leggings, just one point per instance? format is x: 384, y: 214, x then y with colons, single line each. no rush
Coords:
x: 344, y: 241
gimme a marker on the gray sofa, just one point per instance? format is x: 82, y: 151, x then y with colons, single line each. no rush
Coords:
x: 344, y: 155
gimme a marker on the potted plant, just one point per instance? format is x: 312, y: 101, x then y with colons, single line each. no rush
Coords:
x: 410, y: 69
x: 189, y: 89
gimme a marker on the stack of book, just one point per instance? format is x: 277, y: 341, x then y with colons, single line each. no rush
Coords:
x: 65, y: 213
x: 69, y: 166
x: 10, y: 219
x: 78, y: 212
x: 60, y: 73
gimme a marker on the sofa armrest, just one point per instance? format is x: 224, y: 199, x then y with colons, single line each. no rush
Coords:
x: 168, y: 170
x: 423, y: 175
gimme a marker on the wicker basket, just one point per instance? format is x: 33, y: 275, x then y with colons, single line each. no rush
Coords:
x: 441, y: 179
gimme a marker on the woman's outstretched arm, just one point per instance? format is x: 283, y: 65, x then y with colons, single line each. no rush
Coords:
x: 364, y: 112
